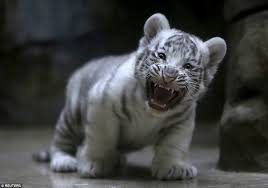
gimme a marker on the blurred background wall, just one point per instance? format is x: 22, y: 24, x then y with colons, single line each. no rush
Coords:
x: 43, y: 41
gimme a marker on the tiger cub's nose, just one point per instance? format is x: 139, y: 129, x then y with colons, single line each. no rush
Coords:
x: 169, y: 74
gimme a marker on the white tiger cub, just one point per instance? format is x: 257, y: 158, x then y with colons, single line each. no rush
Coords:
x: 122, y: 103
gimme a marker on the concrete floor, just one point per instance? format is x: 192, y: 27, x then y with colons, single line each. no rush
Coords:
x: 16, y: 166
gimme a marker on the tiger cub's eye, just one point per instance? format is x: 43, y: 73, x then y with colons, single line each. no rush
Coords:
x: 161, y: 55
x: 188, y: 66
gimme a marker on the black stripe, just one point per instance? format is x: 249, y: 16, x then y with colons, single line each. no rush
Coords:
x: 178, y: 121
x: 64, y: 139
x: 153, y: 54
x: 173, y: 125
x: 108, y: 82
x: 124, y: 105
x: 198, y: 83
x: 193, y: 48
x: 178, y: 114
x: 151, y: 59
x: 180, y: 81
x: 156, y: 46
x: 140, y: 62
x: 200, y: 59
x: 174, y: 36
x: 133, y: 93
x: 117, y: 114
x: 169, y: 43
x: 65, y: 128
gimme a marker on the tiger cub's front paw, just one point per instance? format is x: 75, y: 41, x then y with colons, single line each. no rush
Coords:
x: 169, y: 171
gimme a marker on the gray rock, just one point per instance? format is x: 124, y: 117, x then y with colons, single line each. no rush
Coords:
x: 244, y: 124
x: 233, y: 8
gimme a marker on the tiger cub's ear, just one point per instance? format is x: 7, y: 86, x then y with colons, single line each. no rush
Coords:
x: 152, y: 26
x: 217, y: 50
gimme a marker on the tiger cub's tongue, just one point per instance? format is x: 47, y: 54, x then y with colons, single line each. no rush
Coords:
x: 161, y: 95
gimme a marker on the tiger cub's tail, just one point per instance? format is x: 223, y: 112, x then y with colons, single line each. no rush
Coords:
x: 42, y: 156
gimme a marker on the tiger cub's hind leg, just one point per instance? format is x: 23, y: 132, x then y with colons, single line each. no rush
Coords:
x: 65, y: 143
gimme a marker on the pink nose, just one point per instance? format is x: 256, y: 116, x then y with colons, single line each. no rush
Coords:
x: 169, y: 74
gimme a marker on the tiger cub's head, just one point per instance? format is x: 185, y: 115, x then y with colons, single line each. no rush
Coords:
x: 173, y: 66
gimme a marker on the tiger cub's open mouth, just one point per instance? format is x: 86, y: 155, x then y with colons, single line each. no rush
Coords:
x: 162, y: 98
